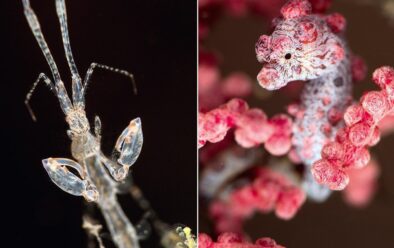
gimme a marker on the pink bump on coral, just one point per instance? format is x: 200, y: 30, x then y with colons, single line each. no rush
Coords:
x: 289, y: 202
x: 361, y: 131
x: 326, y: 173
x: 359, y: 68
x: 383, y: 76
x: 267, y: 243
x: 233, y: 240
x: 236, y: 106
x: 280, y: 141
x: 375, y: 103
x: 333, y: 151
x: 228, y: 238
x: 320, y: 6
x: 336, y: 22
x: 319, y: 170
x: 362, y: 185
x: 204, y: 241
x: 296, y: 8
x: 214, y: 125
x: 359, y: 134
x: 207, y: 77
x: 243, y: 201
x: 268, y: 190
x: 253, y: 128
x: 236, y: 85
x: 353, y: 114
x: 282, y: 124
x: 278, y: 144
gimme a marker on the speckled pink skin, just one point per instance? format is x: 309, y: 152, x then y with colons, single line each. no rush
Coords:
x: 309, y: 47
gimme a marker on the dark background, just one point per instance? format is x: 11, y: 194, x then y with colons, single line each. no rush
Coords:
x: 156, y: 41
x: 333, y: 223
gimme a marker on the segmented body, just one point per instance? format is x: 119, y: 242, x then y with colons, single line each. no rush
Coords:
x: 309, y: 47
x: 323, y: 100
x: 86, y: 150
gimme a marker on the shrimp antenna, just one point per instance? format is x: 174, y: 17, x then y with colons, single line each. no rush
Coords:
x: 77, y: 90
x: 36, y: 29
x: 62, y: 14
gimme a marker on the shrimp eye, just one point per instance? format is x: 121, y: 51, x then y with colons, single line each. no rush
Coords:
x: 288, y: 56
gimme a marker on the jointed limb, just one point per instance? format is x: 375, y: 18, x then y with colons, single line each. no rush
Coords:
x: 69, y: 182
x: 117, y: 171
x: 64, y: 100
x: 128, y: 148
x: 41, y: 78
x: 93, y: 229
x: 105, y: 67
x: 58, y: 90
x: 129, y: 144
x: 97, y: 127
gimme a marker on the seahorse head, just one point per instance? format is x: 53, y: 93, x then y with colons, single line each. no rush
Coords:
x: 303, y: 46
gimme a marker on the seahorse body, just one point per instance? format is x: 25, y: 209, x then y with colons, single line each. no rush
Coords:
x: 304, y: 46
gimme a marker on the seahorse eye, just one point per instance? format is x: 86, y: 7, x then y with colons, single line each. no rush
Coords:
x: 288, y: 56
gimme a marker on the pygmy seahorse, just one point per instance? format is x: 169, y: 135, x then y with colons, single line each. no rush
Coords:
x: 309, y: 47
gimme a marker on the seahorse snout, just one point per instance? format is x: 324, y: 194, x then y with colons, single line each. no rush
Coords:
x: 270, y: 79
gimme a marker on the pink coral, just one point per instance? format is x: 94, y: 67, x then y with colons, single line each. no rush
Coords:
x: 232, y: 240
x: 296, y: 8
x: 359, y: 68
x: 336, y: 22
x: 252, y: 127
x: 361, y: 131
x: 269, y: 191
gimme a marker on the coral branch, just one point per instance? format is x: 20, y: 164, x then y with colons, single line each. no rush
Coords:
x: 269, y: 191
x: 232, y: 240
x: 350, y: 150
x: 252, y: 127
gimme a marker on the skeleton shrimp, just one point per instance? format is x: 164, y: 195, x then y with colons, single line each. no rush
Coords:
x: 94, y: 176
